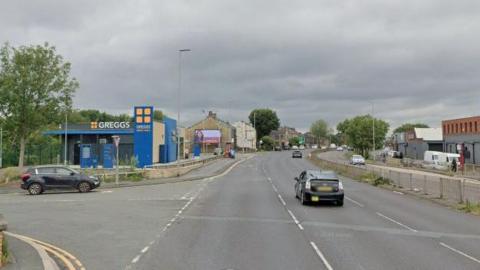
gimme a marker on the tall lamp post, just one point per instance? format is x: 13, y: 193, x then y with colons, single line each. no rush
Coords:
x: 373, y: 129
x: 65, y: 146
x: 179, y: 99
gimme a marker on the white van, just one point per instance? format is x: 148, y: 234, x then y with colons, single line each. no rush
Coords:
x: 439, y: 160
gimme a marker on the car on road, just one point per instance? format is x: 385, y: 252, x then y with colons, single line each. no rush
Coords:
x: 297, y: 154
x: 295, y: 147
x: 318, y: 186
x: 36, y: 180
x: 339, y: 148
x: 357, y: 160
x: 302, y: 147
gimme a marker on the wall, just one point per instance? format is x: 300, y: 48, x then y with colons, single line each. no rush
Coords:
x: 245, y: 135
x: 471, y: 141
x: 158, y: 140
x: 227, y: 131
x: 168, y: 151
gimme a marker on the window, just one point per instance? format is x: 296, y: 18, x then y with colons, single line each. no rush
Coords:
x: 444, y: 129
x: 476, y: 127
x: 456, y: 128
x: 46, y: 170
x: 471, y: 129
x: 63, y: 171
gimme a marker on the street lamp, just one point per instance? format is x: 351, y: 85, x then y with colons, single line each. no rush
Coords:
x: 178, y: 98
x: 65, y: 146
x: 373, y: 129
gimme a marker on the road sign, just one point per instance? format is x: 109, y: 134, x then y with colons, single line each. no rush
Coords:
x: 116, y: 140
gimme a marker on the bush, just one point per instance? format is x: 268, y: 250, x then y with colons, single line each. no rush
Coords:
x: 5, y: 255
x: 10, y: 174
x: 133, y: 163
x: 469, y: 207
x: 374, y: 179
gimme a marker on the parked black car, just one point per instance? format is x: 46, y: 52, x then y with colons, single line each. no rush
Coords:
x: 297, y: 154
x: 38, y: 179
x: 316, y: 186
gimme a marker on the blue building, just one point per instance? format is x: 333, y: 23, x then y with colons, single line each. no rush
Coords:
x: 146, y: 140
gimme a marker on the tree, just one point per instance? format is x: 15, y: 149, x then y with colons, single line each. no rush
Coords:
x: 264, y: 120
x: 35, y: 90
x: 158, y: 115
x: 267, y: 143
x: 319, y: 129
x: 359, y: 132
x: 294, y: 141
x: 409, y: 126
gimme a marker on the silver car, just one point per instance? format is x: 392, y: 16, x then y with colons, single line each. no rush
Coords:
x: 357, y: 160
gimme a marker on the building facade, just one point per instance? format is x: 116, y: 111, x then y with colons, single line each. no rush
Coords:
x: 283, y: 134
x: 464, y: 133
x: 211, y: 124
x: 246, y: 136
x: 413, y: 143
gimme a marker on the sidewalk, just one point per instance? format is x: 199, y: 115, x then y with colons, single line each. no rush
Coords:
x: 22, y: 256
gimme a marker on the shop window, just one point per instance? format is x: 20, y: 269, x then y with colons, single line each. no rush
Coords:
x: 471, y: 129
x: 476, y: 127
x: 444, y: 129
x: 456, y: 128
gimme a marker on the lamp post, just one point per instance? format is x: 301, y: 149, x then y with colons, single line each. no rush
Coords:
x: 179, y: 99
x: 65, y: 146
x: 373, y: 129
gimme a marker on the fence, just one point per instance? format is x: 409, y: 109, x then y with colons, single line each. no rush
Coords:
x: 452, y: 189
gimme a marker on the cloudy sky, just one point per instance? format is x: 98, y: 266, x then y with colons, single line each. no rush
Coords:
x: 417, y: 61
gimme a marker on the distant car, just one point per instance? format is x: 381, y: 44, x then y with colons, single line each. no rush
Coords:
x: 314, y: 146
x: 295, y: 147
x: 357, y: 160
x: 302, y: 147
x: 38, y: 179
x: 317, y: 186
x: 296, y: 154
x: 339, y: 148
x: 278, y: 148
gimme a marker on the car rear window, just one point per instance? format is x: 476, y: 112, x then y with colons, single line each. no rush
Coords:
x: 46, y: 170
x: 63, y: 171
x: 323, y: 179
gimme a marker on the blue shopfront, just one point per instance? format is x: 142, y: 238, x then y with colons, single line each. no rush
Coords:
x: 143, y: 139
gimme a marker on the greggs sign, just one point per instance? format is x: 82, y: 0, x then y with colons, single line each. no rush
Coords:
x: 109, y: 125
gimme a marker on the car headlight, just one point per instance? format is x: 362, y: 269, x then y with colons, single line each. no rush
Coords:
x: 308, y: 185
x: 340, y: 185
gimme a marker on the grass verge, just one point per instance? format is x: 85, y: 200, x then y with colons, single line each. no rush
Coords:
x: 468, y: 207
x: 5, y: 254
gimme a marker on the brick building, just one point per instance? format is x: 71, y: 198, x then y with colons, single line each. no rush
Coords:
x: 465, y: 131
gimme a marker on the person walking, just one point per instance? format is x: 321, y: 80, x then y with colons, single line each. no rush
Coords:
x: 454, y: 165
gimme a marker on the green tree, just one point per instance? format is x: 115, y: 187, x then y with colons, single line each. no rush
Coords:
x: 264, y: 120
x: 35, y: 90
x: 158, y: 115
x: 267, y: 143
x: 409, y: 126
x: 294, y: 141
x: 359, y: 132
x: 319, y: 129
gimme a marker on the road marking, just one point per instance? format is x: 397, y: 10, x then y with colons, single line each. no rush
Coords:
x: 398, y: 192
x: 135, y: 260
x: 293, y: 216
x: 107, y: 191
x: 274, y: 188
x: 47, y: 261
x: 460, y: 252
x: 355, y: 202
x: 320, y: 254
x: 269, y: 179
x: 396, y: 222
x: 145, y: 249
x: 300, y: 226
x: 281, y: 200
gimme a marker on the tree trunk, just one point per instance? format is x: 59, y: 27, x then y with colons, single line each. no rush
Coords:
x: 22, y: 152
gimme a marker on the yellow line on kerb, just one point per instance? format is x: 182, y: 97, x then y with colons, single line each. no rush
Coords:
x: 63, y: 255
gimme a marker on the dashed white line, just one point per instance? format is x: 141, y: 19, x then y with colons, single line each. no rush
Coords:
x: 274, y: 188
x: 460, y: 252
x: 320, y: 254
x: 281, y: 200
x: 300, y: 226
x: 396, y: 222
x: 135, y: 260
x: 355, y: 202
x: 293, y: 216
x: 145, y: 249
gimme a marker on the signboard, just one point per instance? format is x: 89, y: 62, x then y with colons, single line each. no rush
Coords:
x: 116, y: 140
x: 143, y: 135
x: 207, y: 136
x: 110, y: 125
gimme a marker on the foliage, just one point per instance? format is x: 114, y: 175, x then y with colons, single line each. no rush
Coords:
x: 11, y: 174
x: 359, y: 132
x: 133, y: 163
x: 5, y: 256
x: 85, y: 116
x: 294, y: 141
x: 264, y: 120
x: 158, y: 115
x: 409, y: 126
x: 267, y: 143
x: 469, y: 207
x: 319, y: 129
x: 35, y: 90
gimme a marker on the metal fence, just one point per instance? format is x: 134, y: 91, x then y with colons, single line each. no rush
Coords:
x: 453, y: 189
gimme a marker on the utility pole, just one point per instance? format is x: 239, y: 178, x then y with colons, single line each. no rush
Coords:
x: 373, y: 130
x: 179, y: 99
x: 65, y: 147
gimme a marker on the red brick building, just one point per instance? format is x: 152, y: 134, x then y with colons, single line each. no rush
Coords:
x: 464, y: 131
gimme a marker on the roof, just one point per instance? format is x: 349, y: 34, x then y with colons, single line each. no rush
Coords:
x: 89, y: 131
x: 429, y: 134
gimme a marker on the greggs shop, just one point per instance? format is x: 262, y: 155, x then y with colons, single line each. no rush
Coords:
x: 148, y: 141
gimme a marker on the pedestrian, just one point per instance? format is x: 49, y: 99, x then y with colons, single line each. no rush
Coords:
x: 454, y: 165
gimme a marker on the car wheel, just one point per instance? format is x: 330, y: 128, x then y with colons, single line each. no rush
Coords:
x: 340, y: 202
x: 35, y: 189
x: 84, y: 187
x: 302, y: 198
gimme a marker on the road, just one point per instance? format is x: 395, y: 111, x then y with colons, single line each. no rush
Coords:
x: 248, y: 219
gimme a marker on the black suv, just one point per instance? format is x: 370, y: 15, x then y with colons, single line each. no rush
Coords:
x: 316, y: 186
x: 38, y: 179
x: 296, y: 154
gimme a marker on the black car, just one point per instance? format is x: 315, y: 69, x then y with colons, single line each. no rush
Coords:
x: 38, y: 179
x: 317, y: 186
x: 296, y: 154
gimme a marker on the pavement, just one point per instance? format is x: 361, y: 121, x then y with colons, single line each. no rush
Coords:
x: 248, y: 218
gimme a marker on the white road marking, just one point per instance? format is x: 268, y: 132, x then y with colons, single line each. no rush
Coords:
x: 274, y: 188
x: 300, y: 226
x: 398, y: 192
x: 396, y: 222
x: 281, y: 200
x: 269, y: 179
x: 293, y: 216
x: 135, y: 260
x: 460, y: 252
x: 107, y: 191
x: 355, y: 202
x: 145, y: 249
x: 320, y: 254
